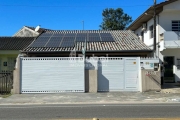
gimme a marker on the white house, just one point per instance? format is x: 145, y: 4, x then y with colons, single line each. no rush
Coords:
x: 167, y: 35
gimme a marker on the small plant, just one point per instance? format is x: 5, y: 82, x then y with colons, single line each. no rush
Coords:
x: 6, y: 95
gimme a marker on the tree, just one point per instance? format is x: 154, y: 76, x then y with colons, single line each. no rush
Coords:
x: 115, y: 19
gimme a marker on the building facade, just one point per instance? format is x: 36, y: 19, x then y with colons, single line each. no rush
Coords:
x: 167, y: 36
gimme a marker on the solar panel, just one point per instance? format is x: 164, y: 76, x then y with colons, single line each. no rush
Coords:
x: 68, y: 42
x: 46, y: 34
x: 58, y: 35
x: 54, y: 42
x: 94, y: 39
x: 94, y: 35
x: 70, y: 34
x: 107, y: 39
x: 81, y: 39
x: 81, y: 34
x: 40, y: 42
x: 68, y: 39
x: 105, y: 35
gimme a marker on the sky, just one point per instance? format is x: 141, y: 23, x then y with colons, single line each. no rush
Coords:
x: 62, y: 14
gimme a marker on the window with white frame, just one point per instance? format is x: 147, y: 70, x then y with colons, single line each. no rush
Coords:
x: 176, y: 25
x: 151, y: 31
x: 178, y: 64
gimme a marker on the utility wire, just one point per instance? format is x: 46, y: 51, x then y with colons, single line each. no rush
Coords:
x: 68, y: 6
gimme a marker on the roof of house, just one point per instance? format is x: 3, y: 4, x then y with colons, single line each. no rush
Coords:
x: 33, y: 28
x: 123, y: 40
x: 15, y: 43
x: 143, y: 18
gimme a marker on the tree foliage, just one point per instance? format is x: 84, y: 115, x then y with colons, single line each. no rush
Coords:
x: 115, y: 19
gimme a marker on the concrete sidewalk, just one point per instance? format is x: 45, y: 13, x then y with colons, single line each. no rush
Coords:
x: 92, y: 98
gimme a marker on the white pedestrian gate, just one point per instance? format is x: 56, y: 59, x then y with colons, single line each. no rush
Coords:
x: 118, y: 74
x: 52, y: 74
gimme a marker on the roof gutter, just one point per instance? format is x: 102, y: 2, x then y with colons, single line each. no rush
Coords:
x: 121, y: 51
x: 124, y: 51
x: 138, y: 18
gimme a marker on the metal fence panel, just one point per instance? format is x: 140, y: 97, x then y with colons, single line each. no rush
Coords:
x: 111, y: 74
x: 52, y: 75
x: 118, y: 74
x: 131, y: 74
x: 6, y: 82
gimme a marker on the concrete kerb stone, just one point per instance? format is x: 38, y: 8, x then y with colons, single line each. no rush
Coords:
x: 167, y: 91
x: 127, y: 119
x: 92, y: 98
x: 92, y: 103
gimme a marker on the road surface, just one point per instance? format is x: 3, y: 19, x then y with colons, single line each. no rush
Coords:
x: 22, y: 112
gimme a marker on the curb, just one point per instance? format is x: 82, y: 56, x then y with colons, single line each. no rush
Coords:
x: 92, y: 103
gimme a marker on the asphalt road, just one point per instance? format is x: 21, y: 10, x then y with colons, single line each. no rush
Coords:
x: 23, y: 112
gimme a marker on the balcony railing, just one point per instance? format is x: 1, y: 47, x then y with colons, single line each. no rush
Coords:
x: 171, y: 39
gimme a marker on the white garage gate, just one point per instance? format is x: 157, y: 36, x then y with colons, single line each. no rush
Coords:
x: 119, y: 74
x: 52, y: 74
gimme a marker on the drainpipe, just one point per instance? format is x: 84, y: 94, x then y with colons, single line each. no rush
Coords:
x: 155, y: 27
x: 158, y: 36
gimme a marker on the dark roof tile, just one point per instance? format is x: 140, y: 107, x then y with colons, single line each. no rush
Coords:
x: 15, y: 43
x: 123, y: 40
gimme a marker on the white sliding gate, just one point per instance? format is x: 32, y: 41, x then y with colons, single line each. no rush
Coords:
x: 52, y: 74
x: 118, y: 74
